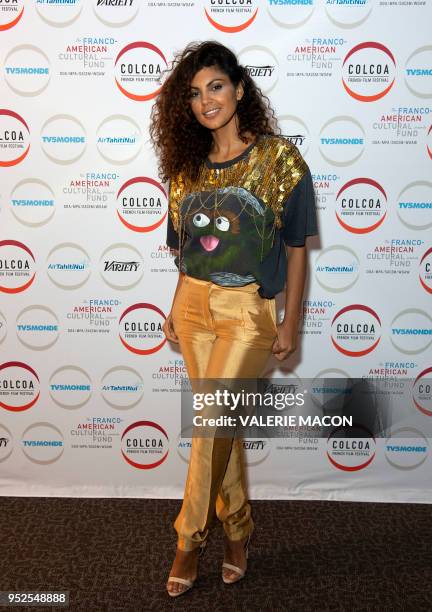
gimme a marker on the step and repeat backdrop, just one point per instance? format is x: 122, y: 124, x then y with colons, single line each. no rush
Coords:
x: 89, y: 387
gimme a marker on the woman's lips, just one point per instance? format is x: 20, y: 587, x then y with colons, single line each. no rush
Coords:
x: 209, y: 242
x: 212, y: 113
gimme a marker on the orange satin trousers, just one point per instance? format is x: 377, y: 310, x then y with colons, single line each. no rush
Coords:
x: 224, y: 332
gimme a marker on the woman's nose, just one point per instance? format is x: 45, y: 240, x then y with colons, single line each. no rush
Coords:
x: 204, y: 97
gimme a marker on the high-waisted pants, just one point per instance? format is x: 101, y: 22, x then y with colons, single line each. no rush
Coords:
x: 224, y: 332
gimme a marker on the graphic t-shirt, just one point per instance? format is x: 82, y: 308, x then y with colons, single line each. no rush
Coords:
x: 232, y: 223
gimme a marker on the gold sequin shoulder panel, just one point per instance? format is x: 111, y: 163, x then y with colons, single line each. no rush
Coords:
x: 270, y: 171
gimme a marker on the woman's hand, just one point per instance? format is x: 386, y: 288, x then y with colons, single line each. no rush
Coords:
x: 286, y: 341
x: 168, y: 329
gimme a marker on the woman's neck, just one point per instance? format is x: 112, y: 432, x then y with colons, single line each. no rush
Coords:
x: 227, y: 144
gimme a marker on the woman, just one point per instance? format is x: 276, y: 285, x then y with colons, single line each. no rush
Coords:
x: 239, y: 197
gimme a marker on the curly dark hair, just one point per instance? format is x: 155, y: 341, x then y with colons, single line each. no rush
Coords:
x: 180, y: 141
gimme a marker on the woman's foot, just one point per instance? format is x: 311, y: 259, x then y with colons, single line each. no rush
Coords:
x: 185, y: 566
x: 235, y: 554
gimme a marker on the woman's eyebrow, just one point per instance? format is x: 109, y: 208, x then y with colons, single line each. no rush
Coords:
x: 210, y: 82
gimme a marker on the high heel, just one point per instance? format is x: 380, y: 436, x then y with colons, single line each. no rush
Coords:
x: 188, y: 583
x: 241, y: 572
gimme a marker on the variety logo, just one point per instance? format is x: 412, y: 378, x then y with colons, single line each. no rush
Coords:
x: 122, y: 387
x: 14, y: 138
x: 121, y: 266
x: 290, y: 13
x: 64, y: 139
x: 255, y: 450
x: 414, y: 205
x: 229, y: 18
x: 11, y: 12
x: 70, y: 387
x: 142, y: 204
x: 27, y: 70
x: 145, y: 445
x: 37, y: 327
x: 17, y: 265
x: 418, y: 72
x: 32, y: 202
x: 361, y: 205
x: 261, y: 65
x: 19, y: 386
x: 356, y: 330
x: 141, y: 326
x: 42, y: 443
x: 119, y: 139
x: 342, y: 141
x: 351, y: 454
x: 296, y: 131
x: 138, y: 70
x: 348, y: 14
x: 411, y: 331
x: 59, y: 14
x: 406, y: 449
x: 368, y: 71
x: 68, y: 266
x: 425, y: 274
x: 337, y: 268
x: 422, y: 392
x: 6, y: 443
x: 116, y: 13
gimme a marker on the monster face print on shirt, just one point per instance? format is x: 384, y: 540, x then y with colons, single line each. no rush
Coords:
x: 230, y: 224
x: 223, y: 227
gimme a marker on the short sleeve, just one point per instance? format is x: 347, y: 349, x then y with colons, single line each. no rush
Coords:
x: 172, y: 237
x: 299, y: 217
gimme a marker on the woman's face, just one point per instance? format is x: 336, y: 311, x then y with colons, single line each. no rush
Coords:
x: 213, y: 97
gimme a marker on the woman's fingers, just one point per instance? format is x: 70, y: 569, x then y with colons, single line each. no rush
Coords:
x: 168, y: 329
x: 284, y: 347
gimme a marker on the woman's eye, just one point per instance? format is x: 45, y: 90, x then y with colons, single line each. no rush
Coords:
x: 222, y: 223
x: 194, y: 94
x: 219, y: 86
x: 200, y: 220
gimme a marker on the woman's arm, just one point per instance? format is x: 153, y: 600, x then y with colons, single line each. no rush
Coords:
x: 286, y: 341
x: 168, y: 326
